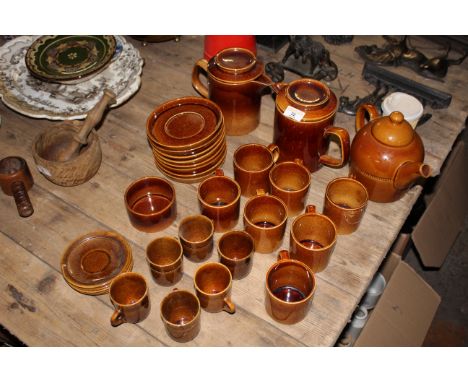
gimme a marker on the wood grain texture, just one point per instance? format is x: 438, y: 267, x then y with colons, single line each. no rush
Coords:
x: 62, y: 214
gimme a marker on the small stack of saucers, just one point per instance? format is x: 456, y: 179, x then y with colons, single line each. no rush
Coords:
x: 92, y: 261
x: 188, y: 138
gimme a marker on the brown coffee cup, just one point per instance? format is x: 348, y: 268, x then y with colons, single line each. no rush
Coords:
x: 290, y: 182
x: 213, y: 283
x: 164, y: 257
x: 252, y: 163
x: 312, y: 239
x: 265, y: 218
x: 128, y: 293
x: 180, y: 313
x: 290, y: 287
x: 345, y: 204
x: 219, y: 200
x: 196, y: 236
x: 235, y: 250
x: 150, y: 203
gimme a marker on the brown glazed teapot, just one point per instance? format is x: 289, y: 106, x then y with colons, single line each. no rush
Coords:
x: 386, y: 155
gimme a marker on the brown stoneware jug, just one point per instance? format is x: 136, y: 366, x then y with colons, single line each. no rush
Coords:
x: 386, y: 155
x: 304, y: 115
x: 236, y: 81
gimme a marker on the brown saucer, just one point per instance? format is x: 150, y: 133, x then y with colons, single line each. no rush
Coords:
x: 92, y: 261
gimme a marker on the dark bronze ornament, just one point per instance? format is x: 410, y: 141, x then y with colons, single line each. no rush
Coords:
x: 398, y: 51
x: 305, y: 57
x: 338, y: 40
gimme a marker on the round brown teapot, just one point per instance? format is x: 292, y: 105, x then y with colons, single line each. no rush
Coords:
x: 236, y: 83
x: 386, y: 155
x: 304, y: 114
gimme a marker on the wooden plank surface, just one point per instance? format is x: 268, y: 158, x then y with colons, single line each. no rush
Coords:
x: 31, y: 248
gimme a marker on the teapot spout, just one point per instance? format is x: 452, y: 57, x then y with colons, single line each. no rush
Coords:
x: 409, y: 172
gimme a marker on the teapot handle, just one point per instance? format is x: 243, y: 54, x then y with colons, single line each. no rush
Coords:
x: 360, y: 114
x: 200, y: 66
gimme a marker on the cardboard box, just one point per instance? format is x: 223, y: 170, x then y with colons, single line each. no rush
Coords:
x: 447, y: 206
x: 405, y: 310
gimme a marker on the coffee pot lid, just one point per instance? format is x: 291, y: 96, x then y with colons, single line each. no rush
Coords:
x: 393, y: 130
x: 235, y: 65
x: 312, y: 97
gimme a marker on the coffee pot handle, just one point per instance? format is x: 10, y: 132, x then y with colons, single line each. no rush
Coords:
x: 201, y: 66
x: 360, y: 114
x: 343, y: 137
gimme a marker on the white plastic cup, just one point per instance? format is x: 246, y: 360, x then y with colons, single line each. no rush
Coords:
x: 354, y: 328
x: 374, y: 291
x: 410, y: 106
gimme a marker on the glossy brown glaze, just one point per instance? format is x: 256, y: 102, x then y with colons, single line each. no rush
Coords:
x: 345, y: 204
x: 235, y: 250
x: 290, y: 287
x: 219, y: 200
x: 180, y: 313
x: 92, y: 261
x: 128, y: 293
x: 213, y: 283
x: 252, y: 163
x: 236, y: 82
x: 150, y: 203
x: 386, y: 155
x: 312, y: 239
x: 265, y: 218
x: 290, y: 182
x: 307, y: 138
x: 165, y: 260
x: 196, y: 236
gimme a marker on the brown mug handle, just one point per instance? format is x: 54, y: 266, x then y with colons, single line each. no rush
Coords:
x: 274, y: 150
x: 283, y: 255
x: 343, y: 137
x: 360, y: 114
x: 229, y: 306
x: 117, y: 317
x: 260, y: 192
x: 201, y: 66
x: 219, y: 172
x: 310, y: 209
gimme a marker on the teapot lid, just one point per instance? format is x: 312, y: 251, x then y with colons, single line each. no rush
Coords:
x: 235, y: 65
x: 393, y: 130
x: 312, y: 97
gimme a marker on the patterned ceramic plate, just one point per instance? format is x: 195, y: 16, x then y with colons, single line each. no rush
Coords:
x: 69, y: 58
x: 28, y: 95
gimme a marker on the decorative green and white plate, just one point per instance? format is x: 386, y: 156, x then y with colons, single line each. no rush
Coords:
x: 69, y: 59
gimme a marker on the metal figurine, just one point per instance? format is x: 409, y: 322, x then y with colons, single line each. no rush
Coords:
x: 398, y: 51
x: 305, y: 57
x: 349, y: 107
x: 338, y: 40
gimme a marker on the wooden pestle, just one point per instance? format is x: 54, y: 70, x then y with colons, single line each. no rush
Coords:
x: 71, y: 149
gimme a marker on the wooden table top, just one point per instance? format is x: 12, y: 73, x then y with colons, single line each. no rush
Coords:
x: 39, y: 307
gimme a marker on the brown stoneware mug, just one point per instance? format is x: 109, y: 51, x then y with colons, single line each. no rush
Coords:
x: 236, y: 250
x: 236, y: 82
x: 290, y: 287
x: 165, y: 260
x: 290, y: 181
x: 265, y: 218
x: 345, y: 204
x: 219, y: 200
x: 150, y: 203
x: 304, y: 115
x: 180, y: 313
x: 196, y: 236
x: 252, y: 163
x: 312, y: 239
x: 213, y: 283
x: 128, y: 293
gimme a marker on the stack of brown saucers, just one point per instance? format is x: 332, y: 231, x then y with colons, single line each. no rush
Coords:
x: 188, y: 138
x: 92, y: 261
